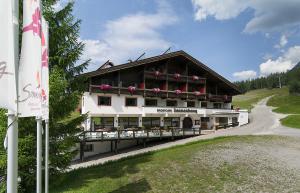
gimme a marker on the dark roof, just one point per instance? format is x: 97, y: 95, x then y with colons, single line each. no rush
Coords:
x: 158, y: 58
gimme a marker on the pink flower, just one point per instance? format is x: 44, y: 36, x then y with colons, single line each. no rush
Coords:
x: 156, y: 73
x: 195, y: 77
x: 197, y: 93
x: 105, y: 87
x: 131, y: 89
x: 176, y: 76
x: 178, y: 91
x: 156, y: 90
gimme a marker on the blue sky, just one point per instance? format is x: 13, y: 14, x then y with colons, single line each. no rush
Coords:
x: 238, y: 39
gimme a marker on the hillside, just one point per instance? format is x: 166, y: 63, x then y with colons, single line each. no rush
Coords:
x: 282, y: 100
x: 247, y: 100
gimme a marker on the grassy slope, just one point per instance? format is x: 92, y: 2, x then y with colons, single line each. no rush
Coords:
x: 188, y: 168
x: 246, y: 101
x: 285, y: 103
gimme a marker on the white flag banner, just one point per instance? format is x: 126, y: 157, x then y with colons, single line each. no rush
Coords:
x: 45, y: 70
x: 8, y: 93
x: 30, y: 63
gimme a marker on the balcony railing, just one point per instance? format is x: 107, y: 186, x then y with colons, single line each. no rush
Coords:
x: 173, y: 77
x: 161, y: 93
x: 219, y: 98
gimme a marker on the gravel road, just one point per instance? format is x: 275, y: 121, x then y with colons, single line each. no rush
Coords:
x: 262, y: 122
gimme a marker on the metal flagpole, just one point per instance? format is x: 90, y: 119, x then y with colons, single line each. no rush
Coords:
x: 39, y: 155
x: 12, y: 153
x: 12, y: 133
x: 46, y: 155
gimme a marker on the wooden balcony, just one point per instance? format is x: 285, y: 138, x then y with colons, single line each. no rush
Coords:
x: 148, y: 92
x: 173, y: 78
x: 219, y: 98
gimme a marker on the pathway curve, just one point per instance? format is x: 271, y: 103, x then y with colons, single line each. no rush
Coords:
x: 262, y: 122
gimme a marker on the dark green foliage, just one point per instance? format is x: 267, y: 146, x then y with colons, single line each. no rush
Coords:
x: 65, y: 92
x: 271, y: 81
x: 294, y: 79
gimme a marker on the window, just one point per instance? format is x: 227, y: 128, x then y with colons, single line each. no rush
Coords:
x: 131, y: 102
x: 104, y: 100
x: 103, y: 122
x: 204, y: 119
x: 172, y: 121
x: 88, y: 148
x: 149, y: 122
x: 190, y: 103
x: 217, y: 105
x: 203, y: 104
x: 150, y: 102
x: 171, y: 103
x: 234, y: 119
x: 127, y: 122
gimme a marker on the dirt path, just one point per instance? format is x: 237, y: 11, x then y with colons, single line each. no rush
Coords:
x: 262, y: 122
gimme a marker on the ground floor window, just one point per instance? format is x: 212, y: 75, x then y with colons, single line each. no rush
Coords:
x: 204, y: 119
x: 222, y: 120
x: 149, y: 122
x: 172, y: 121
x: 103, y: 122
x: 234, y: 119
x: 88, y: 148
x: 128, y: 122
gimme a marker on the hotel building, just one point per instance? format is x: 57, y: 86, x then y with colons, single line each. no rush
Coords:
x: 170, y: 90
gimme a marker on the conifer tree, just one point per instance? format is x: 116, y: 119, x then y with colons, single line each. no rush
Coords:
x: 66, y: 89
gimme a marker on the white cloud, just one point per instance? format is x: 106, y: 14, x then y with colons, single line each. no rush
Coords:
x: 269, y: 15
x: 245, y: 75
x: 60, y: 4
x: 282, y: 42
x: 283, y: 63
x: 130, y: 35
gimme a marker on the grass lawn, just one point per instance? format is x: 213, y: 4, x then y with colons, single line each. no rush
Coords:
x: 282, y: 100
x: 285, y: 103
x: 227, y: 164
x: 291, y: 121
x: 247, y: 100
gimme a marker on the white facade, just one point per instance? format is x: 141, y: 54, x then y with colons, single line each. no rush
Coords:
x: 119, y: 109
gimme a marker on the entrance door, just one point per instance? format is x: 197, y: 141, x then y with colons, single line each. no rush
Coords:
x: 187, y: 122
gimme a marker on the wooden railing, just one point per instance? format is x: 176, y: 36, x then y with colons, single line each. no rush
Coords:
x: 136, y: 133
x: 171, y: 77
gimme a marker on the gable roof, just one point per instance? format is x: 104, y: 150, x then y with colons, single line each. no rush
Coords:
x: 158, y: 58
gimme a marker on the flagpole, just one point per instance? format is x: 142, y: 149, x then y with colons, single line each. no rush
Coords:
x: 12, y: 153
x: 46, y: 155
x: 39, y: 155
x: 12, y: 133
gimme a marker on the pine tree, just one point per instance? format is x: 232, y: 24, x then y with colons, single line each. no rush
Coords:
x: 66, y: 89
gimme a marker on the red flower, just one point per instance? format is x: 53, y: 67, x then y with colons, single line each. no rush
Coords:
x: 178, y: 91
x: 131, y: 89
x: 105, y: 87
